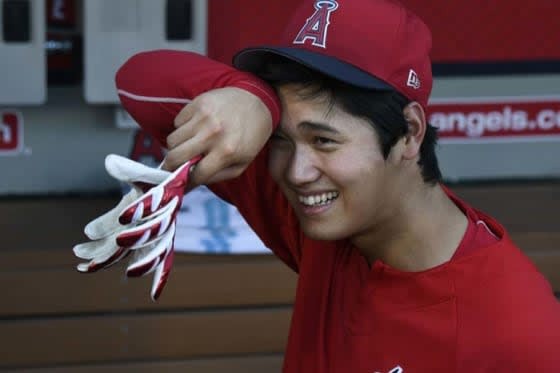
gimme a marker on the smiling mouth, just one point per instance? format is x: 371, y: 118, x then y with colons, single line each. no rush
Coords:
x: 318, y: 199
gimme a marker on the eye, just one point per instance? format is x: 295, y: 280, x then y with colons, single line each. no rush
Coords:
x: 278, y: 140
x: 323, y: 141
x: 277, y: 136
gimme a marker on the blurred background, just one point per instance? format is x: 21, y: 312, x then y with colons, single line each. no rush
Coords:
x: 496, y: 101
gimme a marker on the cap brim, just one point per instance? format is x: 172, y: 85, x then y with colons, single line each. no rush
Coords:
x: 252, y: 60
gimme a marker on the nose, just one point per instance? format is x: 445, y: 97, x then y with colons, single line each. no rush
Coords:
x: 302, y: 167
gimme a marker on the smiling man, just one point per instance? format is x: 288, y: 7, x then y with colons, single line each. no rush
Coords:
x: 344, y: 182
x: 322, y: 143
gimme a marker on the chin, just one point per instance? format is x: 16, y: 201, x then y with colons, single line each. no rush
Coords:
x: 323, y: 233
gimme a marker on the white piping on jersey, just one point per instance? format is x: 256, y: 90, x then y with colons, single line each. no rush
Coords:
x: 174, y: 100
x: 259, y: 88
x: 487, y: 228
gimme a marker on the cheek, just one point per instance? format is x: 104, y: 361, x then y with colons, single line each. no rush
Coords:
x: 360, y: 167
x: 363, y: 181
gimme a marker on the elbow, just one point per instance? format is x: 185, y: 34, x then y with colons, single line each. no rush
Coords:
x: 127, y: 75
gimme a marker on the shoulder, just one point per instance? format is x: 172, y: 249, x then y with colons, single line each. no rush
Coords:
x: 508, y: 312
x: 503, y: 282
x: 529, y: 348
x: 500, y: 273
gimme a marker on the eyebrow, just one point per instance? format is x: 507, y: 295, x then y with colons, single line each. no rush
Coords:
x: 315, y: 126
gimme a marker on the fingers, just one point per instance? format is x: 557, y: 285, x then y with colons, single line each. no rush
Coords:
x: 198, y: 131
x: 92, y: 249
x: 194, y: 121
x: 162, y: 274
x: 147, y: 258
x: 106, y: 224
x: 183, y: 133
x: 150, y: 204
x: 127, y: 170
x: 176, y: 157
x: 186, y: 142
x: 102, y: 254
x: 150, y: 230
x: 228, y: 126
x: 216, y: 167
x: 147, y: 205
x: 222, y: 157
x: 185, y: 115
x: 97, y: 264
x: 203, y: 108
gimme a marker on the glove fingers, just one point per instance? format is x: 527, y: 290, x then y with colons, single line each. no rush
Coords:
x: 147, y: 258
x: 107, y: 223
x: 127, y: 170
x: 105, y: 261
x: 162, y: 274
x: 142, y: 266
x: 151, y: 206
x: 131, y: 172
x: 92, y: 249
x: 173, y: 186
x: 143, y: 206
x: 151, y: 229
x: 93, y: 266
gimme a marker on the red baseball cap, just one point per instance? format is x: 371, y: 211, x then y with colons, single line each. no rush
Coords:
x: 374, y: 44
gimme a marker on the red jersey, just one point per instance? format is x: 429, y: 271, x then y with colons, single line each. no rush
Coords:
x: 486, y: 310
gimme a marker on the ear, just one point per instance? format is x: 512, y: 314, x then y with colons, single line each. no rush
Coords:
x: 416, y: 119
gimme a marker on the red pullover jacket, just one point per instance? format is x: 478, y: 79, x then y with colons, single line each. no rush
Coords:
x: 487, y: 311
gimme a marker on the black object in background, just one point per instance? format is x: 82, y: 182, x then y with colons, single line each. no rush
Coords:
x: 179, y: 20
x: 16, y: 21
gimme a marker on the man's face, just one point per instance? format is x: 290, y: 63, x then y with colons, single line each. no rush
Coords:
x: 330, y: 166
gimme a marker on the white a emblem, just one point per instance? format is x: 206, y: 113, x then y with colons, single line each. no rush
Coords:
x: 315, y: 29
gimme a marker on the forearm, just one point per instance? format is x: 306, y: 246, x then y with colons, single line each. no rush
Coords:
x: 154, y: 86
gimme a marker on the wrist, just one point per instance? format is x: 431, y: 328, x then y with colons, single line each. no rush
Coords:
x: 266, y: 94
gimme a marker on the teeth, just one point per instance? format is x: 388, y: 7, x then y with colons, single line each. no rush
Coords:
x: 318, y: 199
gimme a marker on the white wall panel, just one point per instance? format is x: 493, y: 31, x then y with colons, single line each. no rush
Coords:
x: 115, y: 30
x: 23, y: 63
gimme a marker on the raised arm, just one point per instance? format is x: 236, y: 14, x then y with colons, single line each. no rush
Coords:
x: 193, y: 105
x: 155, y: 86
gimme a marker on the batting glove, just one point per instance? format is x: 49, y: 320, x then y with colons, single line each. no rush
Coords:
x: 143, y: 222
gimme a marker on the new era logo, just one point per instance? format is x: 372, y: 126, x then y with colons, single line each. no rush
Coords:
x: 413, y: 80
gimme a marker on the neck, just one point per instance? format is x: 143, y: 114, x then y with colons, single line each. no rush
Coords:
x: 422, y: 232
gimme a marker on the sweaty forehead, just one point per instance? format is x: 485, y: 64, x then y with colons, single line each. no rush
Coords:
x: 297, y: 108
x: 316, y: 114
x: 307, y: 97
x: 302, y: 91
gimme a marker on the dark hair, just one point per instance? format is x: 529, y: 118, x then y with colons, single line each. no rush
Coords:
x: 383, y: 109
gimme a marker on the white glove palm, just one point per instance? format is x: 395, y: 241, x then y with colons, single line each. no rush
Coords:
x: 143, y: 222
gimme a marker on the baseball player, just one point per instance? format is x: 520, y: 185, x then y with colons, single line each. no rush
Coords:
x: 322, y: 143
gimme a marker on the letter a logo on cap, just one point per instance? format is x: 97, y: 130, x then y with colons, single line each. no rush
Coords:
x: 315, y: 29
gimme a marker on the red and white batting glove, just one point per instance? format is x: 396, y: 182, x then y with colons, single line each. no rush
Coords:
x: 143, y: 222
